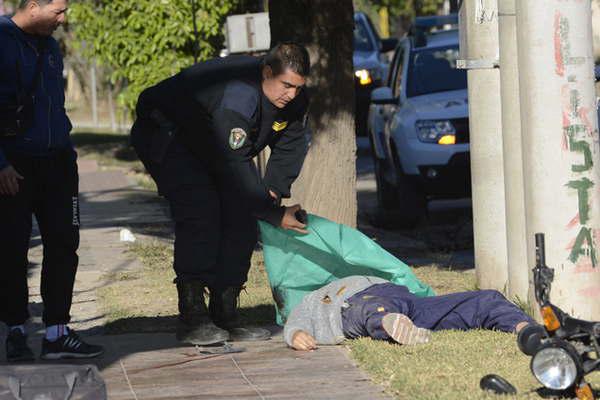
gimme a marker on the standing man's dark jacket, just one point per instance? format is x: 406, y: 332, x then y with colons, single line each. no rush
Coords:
x: 19, y: 53
x: 210, y: 102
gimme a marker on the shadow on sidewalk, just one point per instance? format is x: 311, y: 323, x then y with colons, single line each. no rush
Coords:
x: 130, y: 336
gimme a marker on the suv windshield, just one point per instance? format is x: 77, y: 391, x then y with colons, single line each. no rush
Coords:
x: 362, y: 41
x: 434, y: 70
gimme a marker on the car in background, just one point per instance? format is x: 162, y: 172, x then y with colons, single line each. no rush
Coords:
x: 370, y: 65
x: 418, y: 124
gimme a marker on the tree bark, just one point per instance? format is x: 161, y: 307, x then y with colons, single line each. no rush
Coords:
x: 454, y: 6
x: 327, y: 184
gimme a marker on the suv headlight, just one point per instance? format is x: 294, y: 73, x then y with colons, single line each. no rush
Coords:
x: 440, y: 131
x: 556, y: 366
x: 368, y: 76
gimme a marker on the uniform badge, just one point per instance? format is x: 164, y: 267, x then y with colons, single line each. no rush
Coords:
x: 279, y: 126
x: 51, y: 61
x: 237, y: 138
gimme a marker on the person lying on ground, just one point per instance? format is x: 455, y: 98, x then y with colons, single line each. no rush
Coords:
x: 366, y: 306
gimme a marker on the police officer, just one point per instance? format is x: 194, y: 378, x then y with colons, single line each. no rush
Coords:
x: 38, y: 175
x: 197, y: 133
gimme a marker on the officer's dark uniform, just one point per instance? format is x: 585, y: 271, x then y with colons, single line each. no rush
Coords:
x: 208, y: 123
x: 44, y: 156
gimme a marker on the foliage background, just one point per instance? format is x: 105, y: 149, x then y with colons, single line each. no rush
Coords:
x: 401, y: 12
x: 143, y: 42
x: 135, y: 44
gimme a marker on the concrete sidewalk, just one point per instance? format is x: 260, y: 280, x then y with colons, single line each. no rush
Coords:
x: 154, y: 366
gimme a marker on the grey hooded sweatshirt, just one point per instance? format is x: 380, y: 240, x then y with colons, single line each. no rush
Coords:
x: 320, y: 312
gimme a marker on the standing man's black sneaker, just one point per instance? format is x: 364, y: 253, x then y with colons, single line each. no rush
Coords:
x: 17, y: 348
x: 69, y: 346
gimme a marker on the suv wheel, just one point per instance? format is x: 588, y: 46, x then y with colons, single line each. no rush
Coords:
x: 399, y: 206
x: 411, y: 200
x: 387, y: 197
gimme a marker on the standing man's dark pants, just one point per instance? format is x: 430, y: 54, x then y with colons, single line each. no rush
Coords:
x: 486, y: 309
x: 49, y: 190
x: 215, y: 233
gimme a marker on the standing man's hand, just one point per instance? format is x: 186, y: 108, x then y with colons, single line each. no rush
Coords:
x: 9, y: 181
x: 303, y: 341
x: 289, y: 220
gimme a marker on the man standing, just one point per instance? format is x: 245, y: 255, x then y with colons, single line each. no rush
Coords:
x: 197, y: 133
x: 38, y: 175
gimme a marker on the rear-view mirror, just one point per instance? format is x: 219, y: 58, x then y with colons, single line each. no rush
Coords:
x: 388, y: 44
x: 383, y: 95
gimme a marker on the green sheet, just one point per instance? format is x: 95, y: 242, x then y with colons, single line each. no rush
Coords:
x: 298, y: 264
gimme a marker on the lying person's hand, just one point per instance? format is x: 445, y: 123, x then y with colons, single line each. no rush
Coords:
x: 289, y: 220
x: 303, y: 341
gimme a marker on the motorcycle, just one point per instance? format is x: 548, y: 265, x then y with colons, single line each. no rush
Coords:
x: 563, y: 350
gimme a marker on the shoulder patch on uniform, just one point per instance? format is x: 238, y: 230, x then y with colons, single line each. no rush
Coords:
x: 279, y: 125
x: 237, y: 138
x: 240, y: 97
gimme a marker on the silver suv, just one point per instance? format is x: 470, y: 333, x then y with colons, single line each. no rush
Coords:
x: 418, y: 124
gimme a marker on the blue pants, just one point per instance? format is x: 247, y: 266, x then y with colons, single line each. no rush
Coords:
x: 486, y: 309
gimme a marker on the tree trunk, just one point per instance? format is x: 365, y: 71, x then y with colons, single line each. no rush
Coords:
x: 327, y: 184
x: 454, y: 6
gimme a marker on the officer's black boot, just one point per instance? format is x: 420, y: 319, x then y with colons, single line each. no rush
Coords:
x: 223, y: 310
x: 194, y: 325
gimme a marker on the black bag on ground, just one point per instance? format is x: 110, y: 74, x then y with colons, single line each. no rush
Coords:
x: 51, y: 382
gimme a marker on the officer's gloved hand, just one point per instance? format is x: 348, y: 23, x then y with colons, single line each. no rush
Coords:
x: 289, y: 220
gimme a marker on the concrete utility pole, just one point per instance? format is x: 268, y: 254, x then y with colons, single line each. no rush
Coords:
x: 560, y: 147
x: 518, y: 268
x: 479, y: 54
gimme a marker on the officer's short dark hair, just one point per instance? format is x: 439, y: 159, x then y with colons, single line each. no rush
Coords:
x: 288, y: 55
x: 23, y: 3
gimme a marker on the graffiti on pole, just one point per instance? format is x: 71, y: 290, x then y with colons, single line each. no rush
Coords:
x: 578, y: 139
x: 562, y: 45
x: 486, y: 11
x: 577, y: 135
